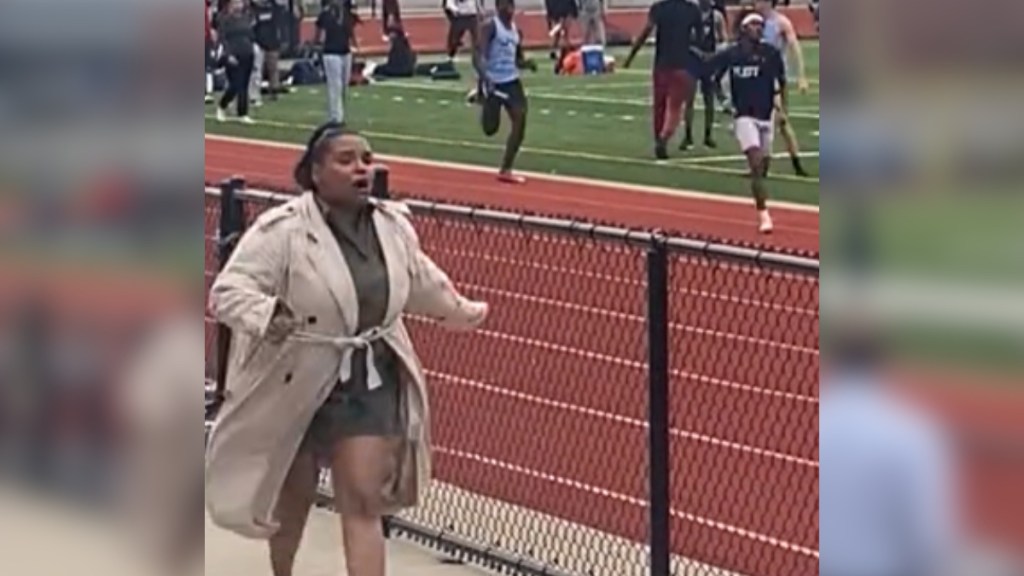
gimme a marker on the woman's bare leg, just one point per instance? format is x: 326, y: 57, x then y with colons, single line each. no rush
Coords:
x: 361, y: 469
x: 293, y: 506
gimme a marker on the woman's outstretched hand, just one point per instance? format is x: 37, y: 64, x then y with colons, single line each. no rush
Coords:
x: 472, y: 314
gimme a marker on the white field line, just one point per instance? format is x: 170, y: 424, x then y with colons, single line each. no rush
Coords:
x: 732, y: 157
x: 795, y: 112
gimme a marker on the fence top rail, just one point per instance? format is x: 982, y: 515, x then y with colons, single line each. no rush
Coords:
x: 578, y: 228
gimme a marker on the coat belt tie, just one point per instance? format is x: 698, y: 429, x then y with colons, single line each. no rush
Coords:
x: 348, y: 345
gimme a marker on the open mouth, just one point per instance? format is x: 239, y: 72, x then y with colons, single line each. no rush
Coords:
x: 362, y: 184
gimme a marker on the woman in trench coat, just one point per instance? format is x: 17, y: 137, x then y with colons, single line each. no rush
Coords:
x: 321, y: 367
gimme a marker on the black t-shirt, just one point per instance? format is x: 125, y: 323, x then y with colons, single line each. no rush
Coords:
x: 266, y: 29
x: 337, y: 23
x: 755, y: 74
x: 708, y: 39
x: 675, y: 23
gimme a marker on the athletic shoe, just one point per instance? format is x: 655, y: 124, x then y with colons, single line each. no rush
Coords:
x: 246, y: 120
x: 659, y: 150
x: 221, y: 114
x: 510, y: 178
x: 766, y: 226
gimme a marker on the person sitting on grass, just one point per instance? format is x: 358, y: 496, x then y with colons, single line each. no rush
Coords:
x: 401, y: 61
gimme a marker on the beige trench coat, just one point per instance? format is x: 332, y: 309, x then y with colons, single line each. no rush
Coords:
x: 274, y: 390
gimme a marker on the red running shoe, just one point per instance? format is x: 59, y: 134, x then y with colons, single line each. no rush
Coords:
x: 510, y: 178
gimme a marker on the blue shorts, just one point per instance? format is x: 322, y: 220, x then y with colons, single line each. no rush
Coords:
x: 696, y: 66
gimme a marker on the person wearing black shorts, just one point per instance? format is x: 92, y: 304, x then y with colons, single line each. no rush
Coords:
x: 463, y: 17
x: 704, y: 44
x: 560, y: 13
x: 498, y: 58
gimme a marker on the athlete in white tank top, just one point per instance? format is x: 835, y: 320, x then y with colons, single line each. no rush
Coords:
x: 498, y: 58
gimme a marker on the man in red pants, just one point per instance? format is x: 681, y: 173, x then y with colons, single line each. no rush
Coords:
x: 677, y: 24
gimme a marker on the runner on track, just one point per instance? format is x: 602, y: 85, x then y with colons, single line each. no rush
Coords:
x: 498, y: 58
x: 756, y: 76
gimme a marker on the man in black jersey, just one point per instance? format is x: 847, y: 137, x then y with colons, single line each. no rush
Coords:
x: 712, y: 33
x: 757, y: 76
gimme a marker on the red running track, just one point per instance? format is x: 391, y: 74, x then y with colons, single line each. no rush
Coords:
x: 271, y: 164
x: 562, y: 357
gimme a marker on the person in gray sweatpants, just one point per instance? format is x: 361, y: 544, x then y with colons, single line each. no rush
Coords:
x: 334, y: 28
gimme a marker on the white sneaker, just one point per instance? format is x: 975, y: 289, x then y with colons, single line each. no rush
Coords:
x: 246, y: 120
x: 221, y: 114
x: 766, y: 226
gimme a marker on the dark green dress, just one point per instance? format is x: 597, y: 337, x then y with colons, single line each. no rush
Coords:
x: 352, y: 409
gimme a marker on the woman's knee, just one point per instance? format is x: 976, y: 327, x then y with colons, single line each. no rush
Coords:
x: 363, y: 472
x: 363, y: 504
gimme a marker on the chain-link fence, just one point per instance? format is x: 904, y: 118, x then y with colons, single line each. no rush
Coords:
x: 634, y: 404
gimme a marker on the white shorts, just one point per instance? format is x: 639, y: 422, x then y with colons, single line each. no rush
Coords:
x: 753, y: 133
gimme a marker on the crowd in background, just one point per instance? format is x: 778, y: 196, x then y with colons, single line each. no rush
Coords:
x: 246, y: 38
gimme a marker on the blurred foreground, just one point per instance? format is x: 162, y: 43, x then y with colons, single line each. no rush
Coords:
x: 922, y: 417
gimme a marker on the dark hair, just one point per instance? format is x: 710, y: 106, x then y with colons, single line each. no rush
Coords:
x: 324, y: 134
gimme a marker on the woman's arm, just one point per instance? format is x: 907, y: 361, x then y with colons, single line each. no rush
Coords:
x: 243, y: 296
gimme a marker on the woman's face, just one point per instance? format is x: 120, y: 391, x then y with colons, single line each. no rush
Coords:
x: 342, y: 173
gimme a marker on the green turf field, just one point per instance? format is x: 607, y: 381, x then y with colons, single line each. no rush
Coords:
x: 594, y: 126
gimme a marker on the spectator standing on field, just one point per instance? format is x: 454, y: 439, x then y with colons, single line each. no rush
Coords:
x: 211, y: 49
x: 289, y: 24
x: 592, y: 21
x: 266, y: 51
x: 234, y: 27
x: 334, y: 28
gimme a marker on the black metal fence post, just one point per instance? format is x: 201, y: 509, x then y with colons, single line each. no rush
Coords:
x: 380, y: 187
x: 232, y: 223
x: 658, y: 407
